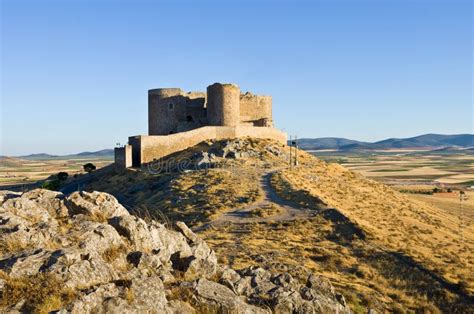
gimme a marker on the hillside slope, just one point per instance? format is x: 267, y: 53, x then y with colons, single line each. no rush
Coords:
x: 380, y: 249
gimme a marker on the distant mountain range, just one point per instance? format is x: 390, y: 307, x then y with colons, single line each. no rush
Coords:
x: 43, y: 156
x: 429, y: 141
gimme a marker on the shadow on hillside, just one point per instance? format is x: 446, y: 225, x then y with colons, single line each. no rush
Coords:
x: 294, y: 198
x: 344, y: 231
x: 406, y: 274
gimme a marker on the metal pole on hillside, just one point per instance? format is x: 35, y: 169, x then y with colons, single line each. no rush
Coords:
x: 291, y: 145
x: 296, y: 150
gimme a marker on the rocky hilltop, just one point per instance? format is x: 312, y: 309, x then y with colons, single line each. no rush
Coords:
x: 382, y: 250
x: 87, y: 253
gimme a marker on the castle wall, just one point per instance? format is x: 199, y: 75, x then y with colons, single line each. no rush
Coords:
x: 155, y: 147
x: 256, y: 110
x: 223, y: 104
x: 123, y: 157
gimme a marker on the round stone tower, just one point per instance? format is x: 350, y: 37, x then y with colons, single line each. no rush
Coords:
x: 223, y: 104
x: 161, y: 120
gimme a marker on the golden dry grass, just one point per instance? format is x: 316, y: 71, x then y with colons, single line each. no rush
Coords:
x: 11, y: 245
x: 113, y: 252
x: 265, y: 211
x: 194, y: 197
x: 390, y: 218
x: 42, y: 293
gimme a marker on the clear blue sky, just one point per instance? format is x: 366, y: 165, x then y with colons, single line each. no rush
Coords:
x: 75, y: 74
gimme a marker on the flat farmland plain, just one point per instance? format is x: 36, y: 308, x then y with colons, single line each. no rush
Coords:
x: 408, y: 167
x: 17, y: 171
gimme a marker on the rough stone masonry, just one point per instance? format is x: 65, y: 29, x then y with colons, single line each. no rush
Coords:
x: 178, y: 120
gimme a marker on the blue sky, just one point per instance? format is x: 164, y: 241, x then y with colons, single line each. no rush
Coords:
x: 75, y: 74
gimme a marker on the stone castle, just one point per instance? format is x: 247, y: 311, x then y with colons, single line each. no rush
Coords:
x: 179, y: 120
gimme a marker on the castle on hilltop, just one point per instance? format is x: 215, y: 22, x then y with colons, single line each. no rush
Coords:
x: 179, y: 120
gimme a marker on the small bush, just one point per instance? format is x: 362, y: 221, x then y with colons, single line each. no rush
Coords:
x: 62, y: 176
x: 52, y: 185
x: 89, y: 167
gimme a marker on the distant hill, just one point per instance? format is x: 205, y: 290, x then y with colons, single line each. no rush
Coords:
x: 99, y: 153
x: 429, y: 140
x: 326, y: 143
x: 38, y: 156
x: 432, y: 141
x: 43, y: 156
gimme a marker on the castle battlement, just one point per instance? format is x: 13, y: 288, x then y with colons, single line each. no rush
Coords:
x: 178, y: 120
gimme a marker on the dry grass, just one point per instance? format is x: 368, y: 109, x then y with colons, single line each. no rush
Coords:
x: 449, y: 202
x: 99, y: 217
x: 265, y: 211
x: 10, y: 245
x: 193, y: 197
x: 129, y: 295
x: 112, y: 253
x: 202, y: 195
x: 150, y: 215
x: 42, y: 293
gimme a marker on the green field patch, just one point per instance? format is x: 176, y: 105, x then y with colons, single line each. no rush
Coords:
x: 467, y: 183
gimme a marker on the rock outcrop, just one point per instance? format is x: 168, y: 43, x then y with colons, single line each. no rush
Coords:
x: 86, y: 253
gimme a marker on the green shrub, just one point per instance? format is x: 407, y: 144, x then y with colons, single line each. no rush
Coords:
x: 52, y: 185
x: 62, y: 176
x: 89, y: 167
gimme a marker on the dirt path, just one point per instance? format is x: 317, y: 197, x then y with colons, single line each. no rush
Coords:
x: 285, y: 211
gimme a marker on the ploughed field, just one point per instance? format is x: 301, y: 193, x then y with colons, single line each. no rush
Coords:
x: 381, y: 249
